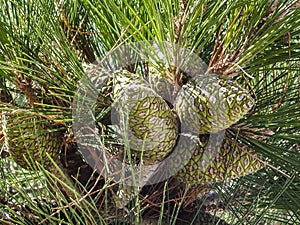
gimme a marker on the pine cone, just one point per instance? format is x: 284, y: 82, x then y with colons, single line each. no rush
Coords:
x: 209, y: 104
x: 145, y: 119
x: 215, y: 160
x: 29, y: 138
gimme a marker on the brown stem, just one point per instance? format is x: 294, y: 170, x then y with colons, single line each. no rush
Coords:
x: 25, y: 86
x: 178, y: 24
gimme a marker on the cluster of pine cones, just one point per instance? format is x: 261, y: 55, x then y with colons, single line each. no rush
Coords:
x: 158, y: 122
x: 183, y: 127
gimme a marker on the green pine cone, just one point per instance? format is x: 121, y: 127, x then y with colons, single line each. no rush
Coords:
x: 160, y: 83
x: 209, y: 104
x: 146, y: 120
x: 214, y: 160
x: 28, y: 139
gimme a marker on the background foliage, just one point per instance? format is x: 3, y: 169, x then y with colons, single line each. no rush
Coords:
x: 44, y: 45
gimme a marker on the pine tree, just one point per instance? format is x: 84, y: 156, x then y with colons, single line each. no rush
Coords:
x: 248, y: 60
